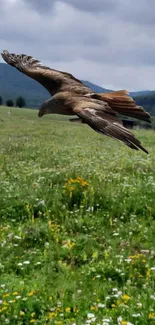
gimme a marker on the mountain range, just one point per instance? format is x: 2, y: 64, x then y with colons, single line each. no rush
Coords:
x: 13, y: 84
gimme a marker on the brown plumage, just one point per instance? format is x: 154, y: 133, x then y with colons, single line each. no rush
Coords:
x: 71, y: 97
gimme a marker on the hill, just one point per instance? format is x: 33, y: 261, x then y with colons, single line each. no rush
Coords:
x: 13, y: 84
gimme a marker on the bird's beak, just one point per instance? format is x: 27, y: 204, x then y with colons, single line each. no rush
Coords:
x: 40, y: 114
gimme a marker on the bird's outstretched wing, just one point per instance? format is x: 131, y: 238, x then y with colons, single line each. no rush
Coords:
x: 52, y: 80
x: 108, y: 124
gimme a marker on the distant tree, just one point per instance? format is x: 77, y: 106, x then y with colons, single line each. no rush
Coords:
x: 20, y: 102
x: 1, y: 100
x: 10, y: 103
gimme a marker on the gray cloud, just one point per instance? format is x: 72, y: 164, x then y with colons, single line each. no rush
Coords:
x: 139, y: 12
x: 93, y: 6
x: 108, y: 42
x: 87, y: 5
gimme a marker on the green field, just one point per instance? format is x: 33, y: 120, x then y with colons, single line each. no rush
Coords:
x: 77, y: 231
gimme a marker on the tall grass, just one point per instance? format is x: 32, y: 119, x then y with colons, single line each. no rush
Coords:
x: 77, y: 229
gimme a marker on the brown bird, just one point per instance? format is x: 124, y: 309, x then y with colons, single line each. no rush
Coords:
x: 71, y: 97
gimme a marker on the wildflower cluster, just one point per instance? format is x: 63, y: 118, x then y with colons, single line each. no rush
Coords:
x: 74, y: 184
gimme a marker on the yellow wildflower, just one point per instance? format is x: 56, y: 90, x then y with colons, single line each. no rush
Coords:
x: 68, y: 310
x: 58, y: 309
x: 33, y: 314
x: 92, y: 308
x: 51, y: 315
x: 15, y: 293
x: 125, y: 298
x: 22, y: 313
x: 5, y: 303
x: 124, y: 322
x: 6, y: 295
x: 31, y: 293
x: 68, y: 244
x: 32, y: 218
x: 32, y: 321
x: 81, y: 181
x: 119, y: 302
x: 3, y: 309
x: 136, y: 257
x: 151, y: 316
x: 70, y: 185
x: 148, y: 273
x: 95, y: 255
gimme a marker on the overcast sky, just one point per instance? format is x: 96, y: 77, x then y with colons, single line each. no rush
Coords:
x: 108, y: 42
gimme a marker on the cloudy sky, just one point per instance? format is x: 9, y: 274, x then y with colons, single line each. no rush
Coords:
x: 108, y: 42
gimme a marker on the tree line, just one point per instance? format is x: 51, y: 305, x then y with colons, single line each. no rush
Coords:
x: 19, y: 102
x: 147, y: 101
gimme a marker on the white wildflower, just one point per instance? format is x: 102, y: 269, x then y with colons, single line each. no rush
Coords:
x: 107, y: 320
x: 46, y: 244
x: 90, y: 315
x: 136, y: 315
x: 26, y: 262
x: 114, y: 289
x: 17, y: 237
x: 59, y: 304
x: 100, y: 305
x: 41, y: 202
x: 3, y: 243
x: 128, y: 260
x: 2, y: 285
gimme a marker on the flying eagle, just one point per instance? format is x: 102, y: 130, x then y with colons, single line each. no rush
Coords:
x: 69, y: 96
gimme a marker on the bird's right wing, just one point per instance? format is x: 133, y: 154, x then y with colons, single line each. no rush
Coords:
x: 51, y: 79
x: 108, y: 124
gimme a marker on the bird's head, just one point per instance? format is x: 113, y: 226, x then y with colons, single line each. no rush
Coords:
x: 45, y: 108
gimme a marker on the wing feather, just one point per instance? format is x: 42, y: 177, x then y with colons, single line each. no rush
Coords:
x: 108, y: 125
x: 53, y: 80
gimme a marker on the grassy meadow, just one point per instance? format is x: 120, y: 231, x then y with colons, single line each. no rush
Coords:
x: 77, y: 224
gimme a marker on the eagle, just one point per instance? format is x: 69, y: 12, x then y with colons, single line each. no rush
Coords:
x: 70, y: 96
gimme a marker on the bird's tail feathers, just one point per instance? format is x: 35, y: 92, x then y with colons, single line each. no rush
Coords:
x: 122, y: 103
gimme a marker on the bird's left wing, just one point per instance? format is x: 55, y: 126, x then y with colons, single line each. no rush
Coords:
x: 108, y: 124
